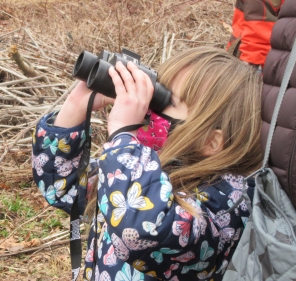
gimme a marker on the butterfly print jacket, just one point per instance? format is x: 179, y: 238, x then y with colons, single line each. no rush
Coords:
x: 147, y: 236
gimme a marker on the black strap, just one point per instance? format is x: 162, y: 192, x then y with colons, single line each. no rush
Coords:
x: 75, y: 240
x: 75, y: 237
x: 95, y: 241
x: 129, y: 128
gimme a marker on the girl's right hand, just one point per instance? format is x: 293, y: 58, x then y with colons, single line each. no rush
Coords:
x: 134, y: 91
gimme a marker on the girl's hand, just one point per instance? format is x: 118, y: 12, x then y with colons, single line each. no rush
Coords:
x: 73, y: 111
x: 134, y: 91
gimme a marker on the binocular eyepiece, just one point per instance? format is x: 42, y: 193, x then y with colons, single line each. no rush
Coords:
x: 93, y: 70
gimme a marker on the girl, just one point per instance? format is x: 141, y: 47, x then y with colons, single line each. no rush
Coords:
x: 162, y: 214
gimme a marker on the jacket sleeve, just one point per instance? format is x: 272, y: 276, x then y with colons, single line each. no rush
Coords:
x: 148, y: 228
x: 252, y: 24
x: 55, y: 157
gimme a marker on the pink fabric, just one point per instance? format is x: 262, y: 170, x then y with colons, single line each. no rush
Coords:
x: 155, y: 134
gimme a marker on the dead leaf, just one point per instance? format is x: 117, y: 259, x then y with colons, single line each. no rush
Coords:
x: 227, y: 27
x: 33, y: 243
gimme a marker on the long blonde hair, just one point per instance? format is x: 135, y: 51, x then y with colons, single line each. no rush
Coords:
x: 221, y: 92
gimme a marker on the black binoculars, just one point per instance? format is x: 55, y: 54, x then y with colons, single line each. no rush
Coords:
x: 93, y: 70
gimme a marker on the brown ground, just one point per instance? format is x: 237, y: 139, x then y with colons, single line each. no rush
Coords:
x: 50, y: 34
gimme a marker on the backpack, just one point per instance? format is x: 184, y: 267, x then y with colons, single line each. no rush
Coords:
x: 267, y: 248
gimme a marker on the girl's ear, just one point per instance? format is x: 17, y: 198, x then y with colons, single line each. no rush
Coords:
x: 214, y: 143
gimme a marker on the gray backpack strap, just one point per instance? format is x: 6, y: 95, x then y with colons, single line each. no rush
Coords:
x: 282, y: 91
x: 286, y: 78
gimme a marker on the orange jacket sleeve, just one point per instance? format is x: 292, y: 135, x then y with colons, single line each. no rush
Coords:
x: 252, y: 24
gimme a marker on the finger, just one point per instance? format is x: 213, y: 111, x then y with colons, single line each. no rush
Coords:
x: 150, y: 87
x: 117, y: 81
x: 144, y: 86
x: 139, y: 78
x: 127, y: 78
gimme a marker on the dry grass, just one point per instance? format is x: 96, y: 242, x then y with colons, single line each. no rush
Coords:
x: 50, y: 34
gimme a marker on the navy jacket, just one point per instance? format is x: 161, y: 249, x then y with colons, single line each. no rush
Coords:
x: 148, y: 235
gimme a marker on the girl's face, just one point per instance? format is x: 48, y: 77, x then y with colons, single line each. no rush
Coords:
x: 178, y: 109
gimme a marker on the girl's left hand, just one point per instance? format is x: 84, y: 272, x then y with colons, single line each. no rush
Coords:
x: 134, y: 91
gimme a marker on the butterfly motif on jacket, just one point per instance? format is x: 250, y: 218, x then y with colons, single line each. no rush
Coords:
x: 38, y: 162
x: 51, y: 144
x: 64, y: 146
x: 90, y: 253
x: 103, y: 205
x: 104, y: 276
x: 83, y: 138
x: 130, y: 241
x: 110, y: 144
x: 173, y: 266
x: 57, y: 190
x: 151, y: 227
x: 204, y: 274
x: 68, y: 197
x: 226, y: 235
x: 158, y: 255
x: 110, y: 258
x: 139, y: 265
x: 185, y: 257
x: 205, y: 253
x: 222, y: 219
x: 41, y: 132
x: 99, y: 221
x: 229, y: 249
x: 215, y: 232
x: 134, y: 201
x: 125, y: 274
x: 117, y: 175
x: 74, y: 135
x: 64, y: 167
x: 138, y: 164
x: 166, y: 194
x: 235, y: 195
x: 182, y: 228
x: 222, y: 267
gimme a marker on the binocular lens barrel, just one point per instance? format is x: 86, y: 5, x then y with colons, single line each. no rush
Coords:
x: 94, y: 71
x: 83, y: 65
x: 100, y: 81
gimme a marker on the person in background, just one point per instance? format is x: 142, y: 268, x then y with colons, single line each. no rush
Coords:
x: 282, y: 155
x: 252, y: 23
x: 161, y: 213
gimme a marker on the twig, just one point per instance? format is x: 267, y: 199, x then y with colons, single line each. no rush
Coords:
x: 19, y: 109
x: 16, y: 30
x: 165, y: 40
x: 43, y: 246
x: 21, y: 81
x: 51, y: 87
x: 12, y: 72
x: 20, y: 134
x: 15, y: 268
x: 22, y: 63
x: 171, y: 46
x: 35, y: 42
x: 15, y: 97
x: 38, y: 86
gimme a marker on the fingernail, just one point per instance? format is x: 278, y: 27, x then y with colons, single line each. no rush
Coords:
x: 111, y: 68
